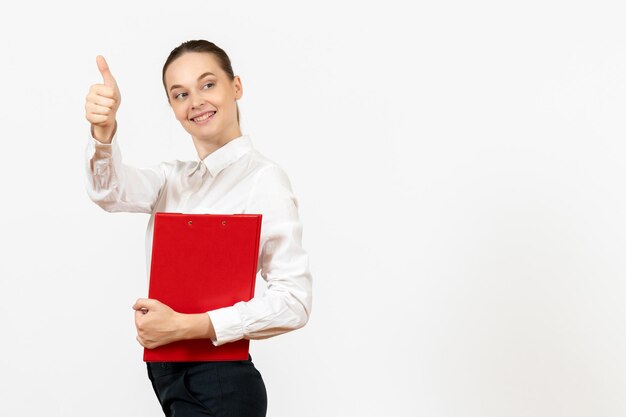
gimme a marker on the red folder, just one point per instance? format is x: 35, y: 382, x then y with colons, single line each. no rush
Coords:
x: 201, y: 262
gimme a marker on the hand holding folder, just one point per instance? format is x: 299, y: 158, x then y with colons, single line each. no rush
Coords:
x: 202, y: 262
x: 163, y: 325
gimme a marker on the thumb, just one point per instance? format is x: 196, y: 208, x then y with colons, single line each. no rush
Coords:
x: 105, y: 71
x: 141, y: 303
x: 145, y: 304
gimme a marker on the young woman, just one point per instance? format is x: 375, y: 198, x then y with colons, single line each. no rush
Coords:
x: 228, y: 177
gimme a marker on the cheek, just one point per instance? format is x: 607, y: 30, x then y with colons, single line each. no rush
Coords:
x: 228, y: 103
x: 180, y: 112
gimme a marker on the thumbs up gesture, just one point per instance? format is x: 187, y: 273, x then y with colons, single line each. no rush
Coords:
x: 102, y: 103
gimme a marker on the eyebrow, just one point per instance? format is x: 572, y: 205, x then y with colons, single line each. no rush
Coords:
x: 199, y: 78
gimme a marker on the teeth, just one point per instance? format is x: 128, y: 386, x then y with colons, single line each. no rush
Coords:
x: 203, y: 117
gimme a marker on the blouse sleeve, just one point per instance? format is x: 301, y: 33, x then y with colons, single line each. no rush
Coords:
x: 286, y: 305
x: 117, y: 187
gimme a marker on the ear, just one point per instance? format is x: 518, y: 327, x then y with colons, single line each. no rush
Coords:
x: 238, y: 87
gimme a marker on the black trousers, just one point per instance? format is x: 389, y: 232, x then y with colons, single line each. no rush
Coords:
x: 190, y: 389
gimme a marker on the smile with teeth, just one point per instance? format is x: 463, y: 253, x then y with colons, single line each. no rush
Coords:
x: 203, y: 116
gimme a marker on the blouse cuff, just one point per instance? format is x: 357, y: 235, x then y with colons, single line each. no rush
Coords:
x: 99, y: 150
x: 227, y: 324
x: 99, y: 144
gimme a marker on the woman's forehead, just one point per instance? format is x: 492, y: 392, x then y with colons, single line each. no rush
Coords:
x: 191, y: 66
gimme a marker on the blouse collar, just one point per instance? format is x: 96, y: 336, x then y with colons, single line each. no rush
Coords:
x: 223, y: 156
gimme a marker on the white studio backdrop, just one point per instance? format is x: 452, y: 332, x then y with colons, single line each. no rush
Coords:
x: 459, y: 168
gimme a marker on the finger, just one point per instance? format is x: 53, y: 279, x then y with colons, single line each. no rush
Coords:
x: 92, y: 108
x: 96, y: 119
x: 139, y: 340
x: 101, y: 100
x: 105, y: 71
x: 144, y: 303
x: 103, y: 91
x: 138, y: 316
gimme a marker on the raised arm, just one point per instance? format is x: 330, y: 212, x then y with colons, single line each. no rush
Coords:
x: 111, y: 184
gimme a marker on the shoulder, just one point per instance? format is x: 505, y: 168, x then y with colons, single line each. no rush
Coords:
x: 269, y: 177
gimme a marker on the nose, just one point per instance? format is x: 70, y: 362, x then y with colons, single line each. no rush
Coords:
x: 197, y: 101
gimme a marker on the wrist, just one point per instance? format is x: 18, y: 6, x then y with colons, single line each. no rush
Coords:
x: 197, y: 326
x: 103, y: 134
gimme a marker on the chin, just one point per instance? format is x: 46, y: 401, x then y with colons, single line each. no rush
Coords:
x: 200, y: 131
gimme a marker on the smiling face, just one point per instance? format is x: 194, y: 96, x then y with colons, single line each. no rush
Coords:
x: 204, y: 100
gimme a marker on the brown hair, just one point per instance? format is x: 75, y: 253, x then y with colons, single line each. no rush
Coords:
x: 200, y: 45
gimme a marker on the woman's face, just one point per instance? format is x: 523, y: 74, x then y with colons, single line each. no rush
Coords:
x: 203, y: 97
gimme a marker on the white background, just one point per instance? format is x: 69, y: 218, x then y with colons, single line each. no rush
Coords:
x: 459, y: 167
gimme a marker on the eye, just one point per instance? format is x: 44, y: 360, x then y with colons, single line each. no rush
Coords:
x: 180, y: 96
x: 207, y: 86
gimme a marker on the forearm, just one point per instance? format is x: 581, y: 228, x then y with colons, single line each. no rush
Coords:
x: 115, y: 186
x: 196, y: 326
x: 281, y: 309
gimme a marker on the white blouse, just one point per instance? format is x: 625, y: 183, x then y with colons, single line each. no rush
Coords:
x: 234, y: 179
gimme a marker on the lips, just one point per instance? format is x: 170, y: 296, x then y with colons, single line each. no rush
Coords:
x: 203, y: 117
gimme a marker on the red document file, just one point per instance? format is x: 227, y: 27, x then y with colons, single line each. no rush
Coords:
x: 201, y: 262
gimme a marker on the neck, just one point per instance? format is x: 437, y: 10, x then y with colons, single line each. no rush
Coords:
x: 208, y: 145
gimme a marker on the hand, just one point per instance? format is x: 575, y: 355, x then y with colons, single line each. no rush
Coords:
x: 157, y: 324
x: 102, y: 103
